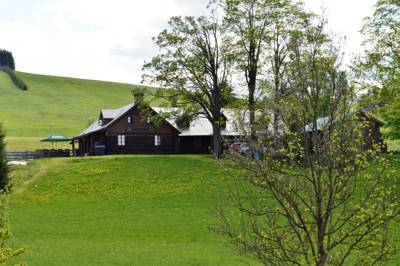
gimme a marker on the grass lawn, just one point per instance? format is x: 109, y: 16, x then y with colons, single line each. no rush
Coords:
x: 132, y: 210
x: 123, y: 210
x: 54, y: 105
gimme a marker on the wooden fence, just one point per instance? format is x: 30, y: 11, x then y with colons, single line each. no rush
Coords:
x: 33, y: 155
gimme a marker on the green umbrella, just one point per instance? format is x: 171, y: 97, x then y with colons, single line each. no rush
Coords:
x: 56, y: 138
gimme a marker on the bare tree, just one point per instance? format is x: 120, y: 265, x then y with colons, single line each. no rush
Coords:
x: 328, y: 201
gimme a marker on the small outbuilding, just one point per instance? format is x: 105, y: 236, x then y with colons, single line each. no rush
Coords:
x: 371, y: 131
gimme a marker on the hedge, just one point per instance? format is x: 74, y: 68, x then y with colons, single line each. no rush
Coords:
x: 17, y: 81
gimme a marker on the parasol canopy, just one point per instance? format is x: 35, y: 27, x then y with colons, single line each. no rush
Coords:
x: 56, y: 138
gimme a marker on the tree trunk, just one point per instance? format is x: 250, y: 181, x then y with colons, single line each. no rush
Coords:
x: 277, y: 85
x: 252, y: 83
x: 217, y: 143
x: 252, y: 103
x: 277, y: 113
x: 216, y: 122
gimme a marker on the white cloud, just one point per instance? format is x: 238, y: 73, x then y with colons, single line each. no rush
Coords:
x: 345, y: 18
x: 110, y: 40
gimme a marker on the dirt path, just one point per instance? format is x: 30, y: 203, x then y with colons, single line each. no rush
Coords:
x: 35, y: 177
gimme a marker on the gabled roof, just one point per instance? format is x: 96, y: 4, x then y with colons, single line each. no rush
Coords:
x: 111, y: 114
x: 201, y: 126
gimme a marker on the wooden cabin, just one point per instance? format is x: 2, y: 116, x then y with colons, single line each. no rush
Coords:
x: 128, y: 130
x: 371, y: 130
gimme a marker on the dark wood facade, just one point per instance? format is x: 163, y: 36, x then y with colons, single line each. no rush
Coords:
x: 371, y: 132
x: 132, y: 133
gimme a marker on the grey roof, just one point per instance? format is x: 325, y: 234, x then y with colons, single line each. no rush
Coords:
x: 201, y: 126
x: 321, y: 122
x: 111, y: 114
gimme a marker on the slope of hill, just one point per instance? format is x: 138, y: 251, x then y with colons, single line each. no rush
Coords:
x: 121, y: 210
x: 54, y: 104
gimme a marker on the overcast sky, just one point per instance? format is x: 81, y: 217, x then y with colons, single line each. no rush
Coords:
x: 110, y: 40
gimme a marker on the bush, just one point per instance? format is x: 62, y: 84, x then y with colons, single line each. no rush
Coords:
x: 6, y: 251
x: 16, y: 80
x: 3, y: 162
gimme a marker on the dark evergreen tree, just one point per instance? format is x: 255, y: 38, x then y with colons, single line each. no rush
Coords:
x: 7, y: 59
x: 3, y: 161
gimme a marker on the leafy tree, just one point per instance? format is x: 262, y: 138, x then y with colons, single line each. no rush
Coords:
x: 248, y: 21
x: 325, y: 200
x: 261, y: 32
x: 285, y: 26
x: 194, y: 61
x: 378, y: 70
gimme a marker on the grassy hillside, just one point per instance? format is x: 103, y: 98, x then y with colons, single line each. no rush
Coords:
x: 123, y: 210
x: 54, y: 104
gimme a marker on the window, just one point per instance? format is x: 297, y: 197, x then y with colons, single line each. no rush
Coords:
x: 100, y: 122
x: 121, y: 140
x: 157, y: 140
x: 148, y: 120
x: 130, y: 119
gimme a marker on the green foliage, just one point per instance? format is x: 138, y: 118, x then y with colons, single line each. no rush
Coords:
x: 7, y: 59
x: 261, y: 34
x: 391, y: 115
x: 313, y: 198
x: 378, y: 69
x: 183, y: 120
x: 15, y: 79
x: 7, y: 250
x: 195, y: 62
x: 3, y: 162
x: 149, y: 210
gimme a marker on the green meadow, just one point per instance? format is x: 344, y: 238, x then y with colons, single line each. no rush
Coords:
x: 124, y: 210
x: 121, y: 210
x: 54, y: 105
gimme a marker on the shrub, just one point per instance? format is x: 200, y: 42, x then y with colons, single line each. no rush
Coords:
x: 6, y: 252
x: 7, y: 249
x: 16, y: 80
x: 3, y: 162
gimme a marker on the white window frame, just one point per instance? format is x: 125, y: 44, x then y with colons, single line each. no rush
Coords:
x: 130, y: 119
x: 121, y: 140
x: 157, y: 140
